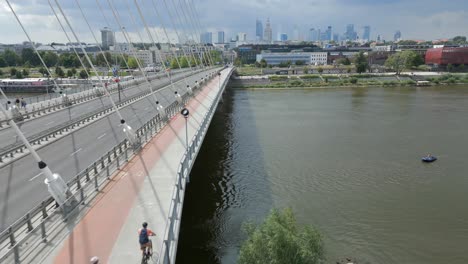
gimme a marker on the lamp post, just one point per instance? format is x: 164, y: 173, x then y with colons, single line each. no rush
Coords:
x: 219, y: 79
x: 185, y: 112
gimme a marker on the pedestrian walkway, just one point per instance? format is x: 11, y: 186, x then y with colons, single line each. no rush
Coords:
x: 140, y: 191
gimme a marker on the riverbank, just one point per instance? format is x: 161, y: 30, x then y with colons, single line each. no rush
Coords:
x: 324, y: 81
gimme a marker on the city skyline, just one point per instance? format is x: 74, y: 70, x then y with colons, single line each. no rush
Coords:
x: 425, y: 20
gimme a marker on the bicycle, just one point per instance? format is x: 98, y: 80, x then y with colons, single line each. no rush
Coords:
x: 147, y: 254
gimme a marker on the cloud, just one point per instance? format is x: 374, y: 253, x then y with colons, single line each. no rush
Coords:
x: 421, y: 19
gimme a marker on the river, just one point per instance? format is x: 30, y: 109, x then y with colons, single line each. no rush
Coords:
x: 347, y: 161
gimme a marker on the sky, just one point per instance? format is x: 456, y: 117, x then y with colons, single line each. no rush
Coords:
x: 416, y: 19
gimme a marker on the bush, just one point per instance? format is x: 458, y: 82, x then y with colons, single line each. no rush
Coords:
x: 278, y: 78
x: 353, y: 80
x: 310, y: 76
x: 279, y: 240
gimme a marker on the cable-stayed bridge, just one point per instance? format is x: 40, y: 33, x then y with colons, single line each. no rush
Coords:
x: 105, y: 159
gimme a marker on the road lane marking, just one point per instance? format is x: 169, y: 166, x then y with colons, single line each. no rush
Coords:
x: 75, y: 152
x: 36, y: 176
x: 51, y: 122
x: 101, y: 136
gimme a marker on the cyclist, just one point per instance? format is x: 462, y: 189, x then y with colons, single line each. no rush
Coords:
x: 144, y: 240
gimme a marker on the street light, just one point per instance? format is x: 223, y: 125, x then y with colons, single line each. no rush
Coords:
x: 185, y: 112
x: 178, y: 97
x: 219, y: 74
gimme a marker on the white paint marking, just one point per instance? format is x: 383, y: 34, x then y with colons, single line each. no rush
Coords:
x: 75, y: 152
x: 101, y: 136
x: 36, y: 176
x: 50, y: 123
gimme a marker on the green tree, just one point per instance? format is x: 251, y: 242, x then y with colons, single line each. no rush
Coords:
x: 459, y: 40
x: 1, y: 72
x: 279, y: 240
x: 184, y: 62
x: 346, y: 61
x: 3, y: 62
x: 28, y: 55
x: 19, y: 75
x: 101, y: 59
x: 13, y: 71
x: 396, y: 62
x: 305, y: 70
x: 73, y: 70
x: 50, y: 59
x: 25, y: 73
x: 83, y: 74
x: 11, y: 58
x: 263, y: 63
x: 320, y: 70
x: 450, y: 67
x: 238, y: 62
x: 59, y: 71
x: 300, y: 63
x: 461, y: 67
x: 174, y: 64
x: 69, y: 73
x: 132, y: 63
x: 361, y: 62
x: 43, y: 71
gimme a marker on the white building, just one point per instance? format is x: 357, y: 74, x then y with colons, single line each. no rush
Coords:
x: 309, y: 58
x: 146, y: 56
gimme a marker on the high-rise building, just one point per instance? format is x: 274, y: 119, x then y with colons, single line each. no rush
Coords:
x: 336, y: 37
x: 108, y: 38
x: 242, y: 37
x: 283, y: 37
x: 313, y: 34
x: 206, y: 38
x: 366, y: 34
x: 350, y: 34
x: 397, y: 35
x: 295, y: 35
x: 221, y: 37
x: 259, y: 30
x: 329, y: 33
x: 268, y: 32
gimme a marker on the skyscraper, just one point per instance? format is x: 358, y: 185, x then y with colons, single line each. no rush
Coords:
x: 206, y: 38
x: 295, y: 35
x: 366, y: 34
x: 397, y: 35
x: 259, y: 30
x: 283, y: 37
x: 350, y: 34
x: 242, y: 37
x: 220, y: 37
x: 107, y: 37
x: 268, y: 33
x: 329, y: 33
x: 313, y: 34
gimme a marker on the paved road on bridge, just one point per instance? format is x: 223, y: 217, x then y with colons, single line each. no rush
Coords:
x: 42, y: 123
x: 21, y: 184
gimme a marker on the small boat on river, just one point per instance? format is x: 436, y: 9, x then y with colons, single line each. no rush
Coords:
x: 429, y: 159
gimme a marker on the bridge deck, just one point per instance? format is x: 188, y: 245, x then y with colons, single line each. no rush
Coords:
x: 141, y: 191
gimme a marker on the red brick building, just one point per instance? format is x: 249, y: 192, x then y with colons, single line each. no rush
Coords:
x: 447, y: 55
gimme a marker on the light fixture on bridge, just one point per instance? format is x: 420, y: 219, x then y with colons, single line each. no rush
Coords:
x: 178, y: 97
x: 161, y: 111
x: 185, y: 113
x: 189, y: 89
x: 131, y: 135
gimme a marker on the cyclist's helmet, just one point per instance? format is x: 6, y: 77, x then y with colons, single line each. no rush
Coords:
x: 145, y: 224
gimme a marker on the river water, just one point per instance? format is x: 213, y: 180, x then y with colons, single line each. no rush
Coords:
x: 347, y: 161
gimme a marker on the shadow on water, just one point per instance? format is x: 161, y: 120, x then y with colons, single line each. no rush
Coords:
x: 228, y: 186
